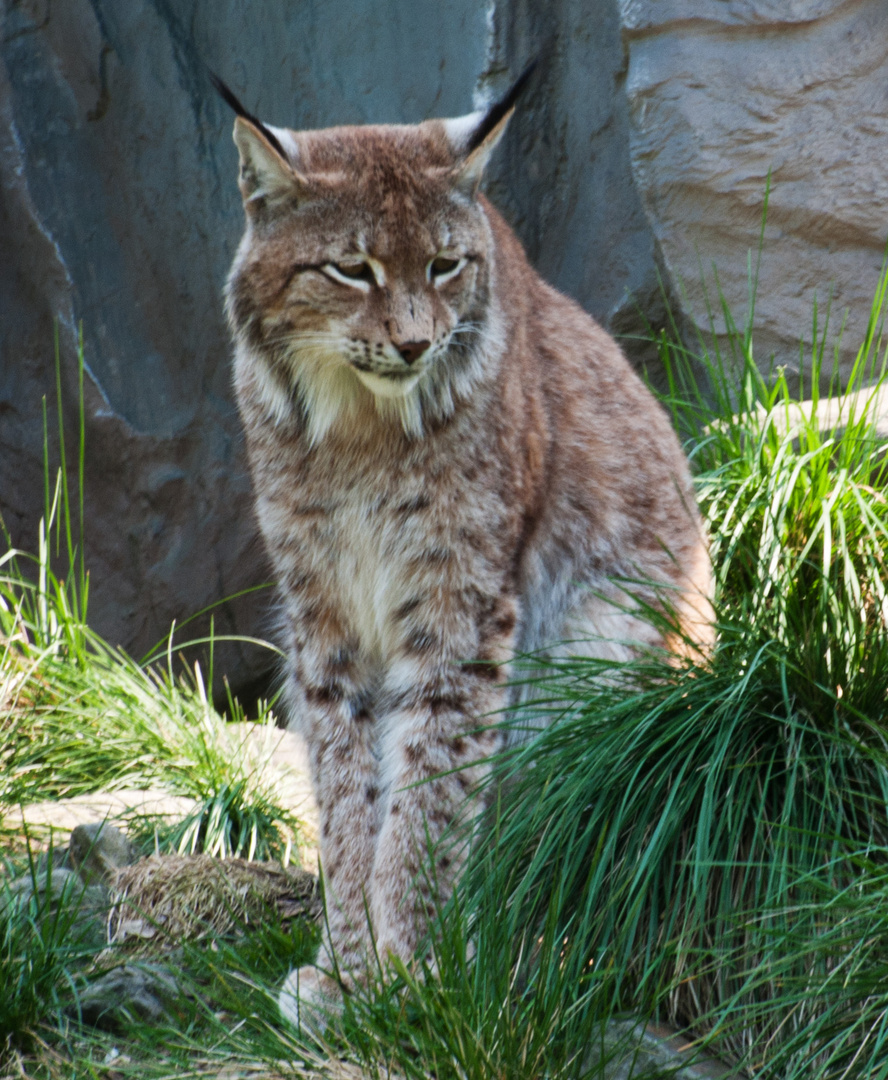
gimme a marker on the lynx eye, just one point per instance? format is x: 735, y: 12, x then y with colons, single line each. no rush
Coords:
x: 355, y: 270
x: 444, y: 267
x: 351, y: 273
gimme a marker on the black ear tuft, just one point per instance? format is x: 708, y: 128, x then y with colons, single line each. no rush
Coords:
x: 230, y: 100
x: 497, y: 111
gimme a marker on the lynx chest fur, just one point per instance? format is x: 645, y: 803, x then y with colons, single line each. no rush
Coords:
x: 369, y: 541
x: 452, y: 463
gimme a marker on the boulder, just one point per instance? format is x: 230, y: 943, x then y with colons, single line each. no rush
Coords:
x: 629, y: 1050
x: 148, y: 993
x: 75, y: 912
x: 721, y: 96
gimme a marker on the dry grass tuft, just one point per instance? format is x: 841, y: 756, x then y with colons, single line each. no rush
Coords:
x: 167, y: 899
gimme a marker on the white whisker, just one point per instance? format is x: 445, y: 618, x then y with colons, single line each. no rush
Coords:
x: 317, y: 367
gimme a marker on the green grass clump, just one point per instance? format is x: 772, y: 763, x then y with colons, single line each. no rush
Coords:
x: 794, y: 495
x: 696, y: 833
x: 44, y: 940
x: 826, y: 975
x: 82, y: 716
x: 475, y: 1009
x: 78, y: 715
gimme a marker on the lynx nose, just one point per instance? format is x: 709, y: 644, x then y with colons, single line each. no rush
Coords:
x: 411, y: 350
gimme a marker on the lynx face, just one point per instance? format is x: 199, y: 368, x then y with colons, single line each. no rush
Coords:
x: 364, y: 276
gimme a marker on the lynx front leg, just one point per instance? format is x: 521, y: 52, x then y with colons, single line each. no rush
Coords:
x: 339, y: 731
x: 415, y: 869
x: 346, y: 788
x: 434, y: 760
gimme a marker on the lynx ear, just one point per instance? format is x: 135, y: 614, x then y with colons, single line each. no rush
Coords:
x: 474, y: 137
x: 265, y: 168
x: 265, y: 171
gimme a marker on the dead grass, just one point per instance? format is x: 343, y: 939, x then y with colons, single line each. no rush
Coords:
x: 168, y: 899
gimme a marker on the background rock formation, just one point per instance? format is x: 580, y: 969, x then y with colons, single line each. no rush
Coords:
x: 722, y: 93
x: 647, y: 136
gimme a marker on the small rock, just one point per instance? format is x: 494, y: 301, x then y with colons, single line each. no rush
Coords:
x: 630, y: 1050
x: 145, y: 992
x: 57, y: 882
x: 98, y: 851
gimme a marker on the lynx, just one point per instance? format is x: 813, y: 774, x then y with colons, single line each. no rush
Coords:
x: 452, y: 463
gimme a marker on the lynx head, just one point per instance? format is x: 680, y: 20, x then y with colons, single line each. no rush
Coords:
x: 363, y: 282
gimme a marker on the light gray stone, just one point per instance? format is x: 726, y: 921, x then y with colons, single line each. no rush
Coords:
x: 50, y: 885
x: 55, y: 857
x: 629, y: 1050
x: 83, y: 907
x: 720, y: 94
x: 834, y: 414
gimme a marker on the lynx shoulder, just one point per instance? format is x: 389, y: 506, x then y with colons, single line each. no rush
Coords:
x: 452, y: 463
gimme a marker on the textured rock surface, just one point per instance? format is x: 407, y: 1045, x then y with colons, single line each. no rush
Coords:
x: 144, y: 992
x: 630, y: 1051
x: 119, y: 212
x: 721, y: 93
x: 59, y: 896
x: 563, y: 176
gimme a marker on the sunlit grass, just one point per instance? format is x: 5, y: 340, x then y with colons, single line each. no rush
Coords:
x: 78, y: 715
x: 684, y: 827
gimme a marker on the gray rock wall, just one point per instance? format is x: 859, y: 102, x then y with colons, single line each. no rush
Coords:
x: 723, y: 91
x: 119, y: 213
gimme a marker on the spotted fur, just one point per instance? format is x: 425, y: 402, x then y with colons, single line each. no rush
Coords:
x: 451, y: 462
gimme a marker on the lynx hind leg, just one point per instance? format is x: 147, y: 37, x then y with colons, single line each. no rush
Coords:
x: 619, y: 622
x: 604, y: 625
x: 694, y: 606
x: 596, y: 627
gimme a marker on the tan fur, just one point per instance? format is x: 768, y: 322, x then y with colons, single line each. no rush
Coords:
x: 428, y: 519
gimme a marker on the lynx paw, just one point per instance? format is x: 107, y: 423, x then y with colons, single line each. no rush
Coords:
x: 309, y: 999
